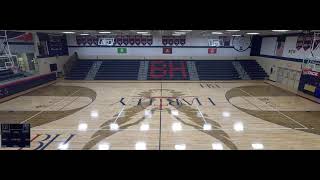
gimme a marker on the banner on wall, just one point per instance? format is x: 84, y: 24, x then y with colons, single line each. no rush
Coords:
x: 299, y: 43
x: 214, y: 42
x: 212, y: 50
x: 167, y: 50
x: 106, y: 41
x: 122, y: 50
x: 310, y: 82
x: 125, y: 40
x: 149, y: 40
x: 280, y: 46
x: 307, y: 43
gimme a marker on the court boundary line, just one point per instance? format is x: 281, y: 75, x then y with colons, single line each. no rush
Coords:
x: 50, y: 106
x: 276, y: 110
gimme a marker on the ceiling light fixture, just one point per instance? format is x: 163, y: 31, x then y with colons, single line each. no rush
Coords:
x: 216, y: 33
x: 279, y: 30
x: 252, y: 33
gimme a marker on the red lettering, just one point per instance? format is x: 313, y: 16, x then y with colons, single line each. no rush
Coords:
x: 158, y: 69
x: 181, y: 68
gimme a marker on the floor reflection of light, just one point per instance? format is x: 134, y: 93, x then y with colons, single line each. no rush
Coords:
x: 226, y: 114
x: 104, y: 146
x: 175, y: 113
x: 180, y: 146
x: 257, y: 146
x: 94, y: 114
x: 217, y: 146
x: 147, y: 114
x: 114, y: 126
x: 176, y: 126
x: 207, y: 127
x: 238, y: 126
x: 141, y: 146
x: 144, y: 127
x: 63, y: 146
x: 83, y: 127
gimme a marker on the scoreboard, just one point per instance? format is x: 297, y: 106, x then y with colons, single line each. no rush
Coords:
x: 15, y: 135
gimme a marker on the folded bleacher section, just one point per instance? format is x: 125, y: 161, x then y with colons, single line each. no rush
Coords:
x: 253, y: 69
x: 7, y: 75
x: 162, y: 70
x: 118, y: 70
x: 216, y: 70
x: 79, y: 70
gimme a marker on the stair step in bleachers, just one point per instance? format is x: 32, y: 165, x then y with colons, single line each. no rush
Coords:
x: 253, y: 69
x: 118, y: 70
x: 80, y: 70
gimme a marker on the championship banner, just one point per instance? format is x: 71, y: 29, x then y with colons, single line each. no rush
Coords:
x: 95, y: 40
x: 182, y: 40
x: 170, y: 40
x: 177, y: 40
x: 119, y: 40
x: 316, y: 42
x: 212, y: 50
x: 167, y: 50
x: 125, y: 40
x: 143, y: 40
x: 79, y: 40
x: 122, y: 50
x: 89, y: 40
x: 84, y: 40
x: 138, y: 39
x: 307, y: 43
x: 131, y: 40
x: 106, y: 41
x: 150, y: 40
x: 280, y: 46
x: 299, y: 43
x: 165, y: 40
x: 214, y: 42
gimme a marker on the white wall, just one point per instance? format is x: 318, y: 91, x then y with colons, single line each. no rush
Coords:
x: 268, y: 46
x: 44, y: 63
x: 135, y: 52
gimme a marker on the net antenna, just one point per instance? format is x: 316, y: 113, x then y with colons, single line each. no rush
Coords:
x: 6, y: 58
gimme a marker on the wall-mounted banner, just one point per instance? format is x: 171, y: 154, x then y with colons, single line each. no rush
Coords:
x: 214, y: 42
x: 310, y: 82
x: 299, y: 43
x: 280, y: 46
x: 122, y: 50
x: 167, y: 50
x: 106, y: 41
x: 212, y: 50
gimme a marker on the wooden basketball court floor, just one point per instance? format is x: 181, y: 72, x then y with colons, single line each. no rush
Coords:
x: 241, y: 115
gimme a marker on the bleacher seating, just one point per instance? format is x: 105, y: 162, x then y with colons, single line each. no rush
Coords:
x: 163, y: 70
x: 118, y: 70
x: 80, y: 70
x: 253, y: 69
x: 216, y: 70
x: 6, y: 75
